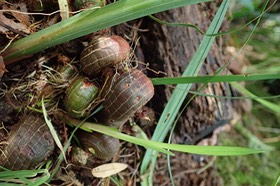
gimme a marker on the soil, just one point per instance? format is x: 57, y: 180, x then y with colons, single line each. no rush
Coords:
x: 162, y: 51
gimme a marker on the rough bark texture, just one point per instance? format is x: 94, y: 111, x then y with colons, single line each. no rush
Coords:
x: 173, y: 48
x: 170, y: 49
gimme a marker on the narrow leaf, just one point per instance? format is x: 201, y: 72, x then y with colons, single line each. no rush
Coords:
x: 271, y: 106
x: 108, y: 169
x: 113, y: 132
x: 87, y: 22
x: 277, y: 180
x: 213, y: 79
x: 20, y: 173
x: 52, y: 130
x: 209, y: 150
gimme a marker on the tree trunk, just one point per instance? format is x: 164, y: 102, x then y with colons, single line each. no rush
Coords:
x: 169, y: 50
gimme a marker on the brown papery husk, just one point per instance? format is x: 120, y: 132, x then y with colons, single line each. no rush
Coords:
x: 124, y: 95
x: 103, y: 51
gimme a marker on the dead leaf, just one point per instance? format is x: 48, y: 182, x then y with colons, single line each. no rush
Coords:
x: 14, y: 21
x: 108, y: 169
x: 22, y: 17
x: 2, y: 67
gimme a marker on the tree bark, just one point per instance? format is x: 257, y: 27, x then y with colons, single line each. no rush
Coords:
x: 170, y: 49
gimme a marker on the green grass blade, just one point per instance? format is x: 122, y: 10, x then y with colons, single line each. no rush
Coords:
x: 210, y: 150
x: 113, y: 132
x: 25, y: 176
x: 170, y: 112
x: 254, y: 141
x: 213, y: 79
x: 61, y: 155
x: 8, y: 174
x: 52, y: 130
x: 205, y: 150
x: 87, y: 22
x: 40, y: 181
x: 235, y: 97
x: 277, y: 180
x: 271, y: 106
x: 176, y: 24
